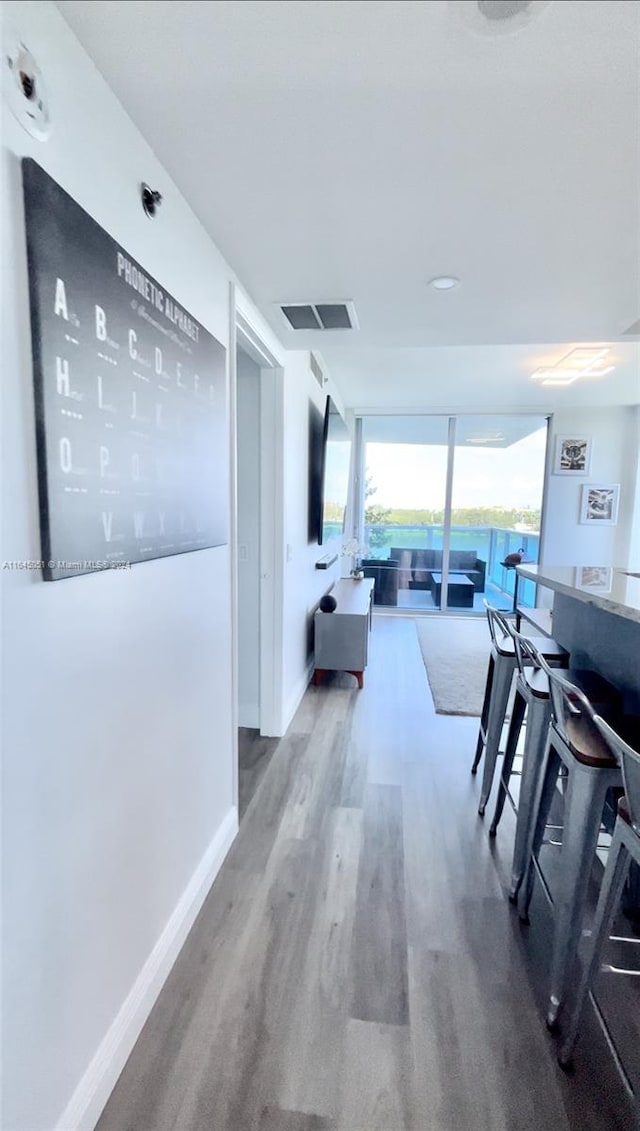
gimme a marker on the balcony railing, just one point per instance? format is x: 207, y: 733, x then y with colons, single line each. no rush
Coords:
x: 491, y: 544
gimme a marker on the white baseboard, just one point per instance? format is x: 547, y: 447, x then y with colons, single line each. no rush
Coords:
x: 295, y: 698
x: 87, y: 1102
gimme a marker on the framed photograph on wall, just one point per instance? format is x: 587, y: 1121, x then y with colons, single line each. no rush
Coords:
x: 594, y: 579
x: 599, y: 504
x: 572, y: 455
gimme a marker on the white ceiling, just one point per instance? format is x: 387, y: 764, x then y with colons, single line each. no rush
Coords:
x: 353, y: 150
x: 481, y: 432
x: 476, y: 378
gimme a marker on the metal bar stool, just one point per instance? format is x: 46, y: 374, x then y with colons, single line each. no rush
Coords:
x: 533, y: 697
x: 575, y: 744
x: 625, y: 848
x: 502, y: 665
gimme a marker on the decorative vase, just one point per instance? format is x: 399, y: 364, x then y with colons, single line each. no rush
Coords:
x: 328, y: 603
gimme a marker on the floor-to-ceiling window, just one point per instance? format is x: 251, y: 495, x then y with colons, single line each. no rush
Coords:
x: 405, y: 476
x: 446, y: 501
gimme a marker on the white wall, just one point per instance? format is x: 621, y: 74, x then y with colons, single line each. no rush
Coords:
x: 116, y: 689
x: 117, y: 743
x: 632, y: 501
x: 614, y: 433
x: 248, y: 487
x: 304, y: 584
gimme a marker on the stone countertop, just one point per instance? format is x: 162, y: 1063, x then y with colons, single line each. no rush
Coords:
x: 607, y: 587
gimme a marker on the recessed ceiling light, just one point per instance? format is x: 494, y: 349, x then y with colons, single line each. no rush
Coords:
x: 444, y: 282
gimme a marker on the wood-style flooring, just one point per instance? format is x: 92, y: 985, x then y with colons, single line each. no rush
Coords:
x: 254, y: 755
x: 356, y: 966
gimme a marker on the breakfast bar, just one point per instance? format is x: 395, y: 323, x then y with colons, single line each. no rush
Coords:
x: 596, y: 617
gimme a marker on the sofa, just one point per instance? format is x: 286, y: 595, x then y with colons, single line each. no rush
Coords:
x: 386, y: 576
x: 415, y: 567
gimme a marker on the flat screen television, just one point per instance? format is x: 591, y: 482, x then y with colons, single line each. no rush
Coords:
x: 316, y: 464
x: 329, y: 462
x: 335, y: 479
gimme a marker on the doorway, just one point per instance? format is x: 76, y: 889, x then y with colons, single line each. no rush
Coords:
x: 254, y: 749
x: 248, y: 534
x: 257, y: 429
x: 447, y: 501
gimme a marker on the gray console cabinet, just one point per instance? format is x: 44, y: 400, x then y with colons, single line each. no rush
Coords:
x: 342, y: 637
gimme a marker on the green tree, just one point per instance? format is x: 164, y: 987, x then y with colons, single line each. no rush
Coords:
x: 462, y: 516
x: 375, y: 517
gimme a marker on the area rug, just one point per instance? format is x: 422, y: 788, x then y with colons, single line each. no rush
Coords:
x: 455, y: 651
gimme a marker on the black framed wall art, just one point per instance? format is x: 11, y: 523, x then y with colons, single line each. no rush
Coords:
x: 130, y: 390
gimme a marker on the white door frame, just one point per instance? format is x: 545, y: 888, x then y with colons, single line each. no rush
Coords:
x: 243, y: 333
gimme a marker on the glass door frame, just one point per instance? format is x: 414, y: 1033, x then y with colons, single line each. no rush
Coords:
x: 359, y: 476
x: 446, y: 527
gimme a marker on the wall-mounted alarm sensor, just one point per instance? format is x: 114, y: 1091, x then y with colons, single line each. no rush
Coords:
x: 24, y: 88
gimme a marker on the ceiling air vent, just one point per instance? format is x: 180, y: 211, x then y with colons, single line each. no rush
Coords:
x: 334, y: 316
x: 319, y: 315
x: 301, y: 317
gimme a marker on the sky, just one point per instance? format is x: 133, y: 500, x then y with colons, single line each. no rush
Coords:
x: 413, y: 475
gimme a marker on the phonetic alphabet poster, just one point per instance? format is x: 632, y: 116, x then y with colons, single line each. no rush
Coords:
x: 131, y: 415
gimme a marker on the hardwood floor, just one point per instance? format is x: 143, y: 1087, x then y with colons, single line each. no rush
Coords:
x: 356, y: 966
x: 254, y: 755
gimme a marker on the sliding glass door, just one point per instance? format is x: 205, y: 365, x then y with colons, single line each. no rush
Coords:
x: 446, y: 501
x: 405, y: 474
x: 496, y: 501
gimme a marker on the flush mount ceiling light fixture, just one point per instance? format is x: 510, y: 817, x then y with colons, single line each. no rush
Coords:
x: 498, y: 17
x: 583, y: 361
x: 444, y: 282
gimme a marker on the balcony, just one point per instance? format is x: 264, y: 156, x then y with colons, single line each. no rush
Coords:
x: 402, y: 587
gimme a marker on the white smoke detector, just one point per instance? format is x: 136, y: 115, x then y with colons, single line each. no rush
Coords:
x: 24, y: 88
x: 498, y: 17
